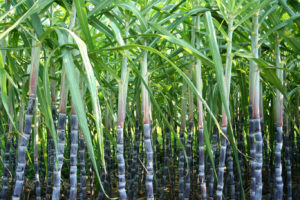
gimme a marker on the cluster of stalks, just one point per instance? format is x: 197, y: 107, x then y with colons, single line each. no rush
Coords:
x: 201, y: 100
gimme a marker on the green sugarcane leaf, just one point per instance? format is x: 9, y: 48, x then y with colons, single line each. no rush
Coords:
x: 278, y: 27
x: 35, y: 20
x: 100, y: 6
x: 101, y: 27
x: 132, y: 8
x: 12, y: 10
x: 266, y: 13
x: 186, y: 46
x: 220, y: 28
x: 243, y: 8
x: 269, y: 75
x: 149, y: 6
x: 251, y: 12
x: 218, y: 61
x: 4, y: 96
x: 37, y: 6
x: 117, y: 33
x: 83, y: 21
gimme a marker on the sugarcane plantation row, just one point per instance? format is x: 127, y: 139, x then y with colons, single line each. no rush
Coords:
x: 150, y: 99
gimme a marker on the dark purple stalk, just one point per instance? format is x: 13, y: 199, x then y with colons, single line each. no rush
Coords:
x: 278, y: 126
x: 147, y: 128
x: 167, y: 153
x: 36, y: 159
x: 121, y: 164
x: 107, y: 157
x: 278, y: 167
x: 130, y: 157
x: 158, y: 174
x: 195, y: 167
x: 61, y: 138
x: 187, y: 189
x: 149, y: 165
x: 222, y: 159
x: 199, y: 83
x: 230, y: 174
x: 73, y: 155
x: 6, y: 169
x: 288, y: 165
x: 83, y: 177
x: 51, y: 154
x: 259, y: 158
x: 202, y: 164
x: 241, y: 143
x: 211, y: 183
x: 182, y: 139
x: 120, y: 128
x: 252, y: 154
x: 174, y: 158
x: 28, y: 121
x: 181, y: 169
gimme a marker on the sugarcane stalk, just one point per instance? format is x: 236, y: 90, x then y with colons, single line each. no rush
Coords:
x: 167, y: 153
x: 35, y: 61
x: 132, y: 168
x: 136, y: 151
x: 287, y: 161
x: 279, y: 124
x: 181, y: 135
x: 36, y: 156
x: 187, y: 183
x: 195, y: 167
x: 142, y: 160
x: 83, y: 177
x: 61, y: 138
x: 156, y: 149
x: 211, y: 179
x: 107, y: 156
x: 230, y: 174
x: 200, y: 116
x: 120, y: 127
x: 241, y: 143
x: 147, y: 128
x: 129, y: 153
x: 254, y: 113
x: 108, y: 181
x: 50, y: 141
x: 174, y: 158
x: 73, y: 154
x: 15, y: 142
x: 227, y: 79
